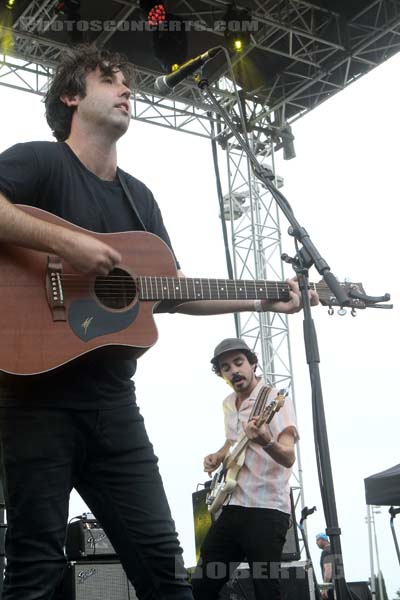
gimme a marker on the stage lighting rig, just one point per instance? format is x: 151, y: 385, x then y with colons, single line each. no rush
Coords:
x: 10, y: 4
x: 237, y: 27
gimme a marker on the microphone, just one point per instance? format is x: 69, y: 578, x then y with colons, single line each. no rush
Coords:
x: 166, y: 83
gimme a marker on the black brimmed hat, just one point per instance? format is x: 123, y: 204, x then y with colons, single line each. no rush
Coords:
x: 228, y: 345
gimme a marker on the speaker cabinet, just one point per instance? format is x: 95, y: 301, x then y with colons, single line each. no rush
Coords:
x: 96, y: 580
x: 295, y: 582
x: 291, y: 548
x: 202, y: 518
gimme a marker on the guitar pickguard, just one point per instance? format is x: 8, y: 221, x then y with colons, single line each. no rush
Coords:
x: 89, y: 320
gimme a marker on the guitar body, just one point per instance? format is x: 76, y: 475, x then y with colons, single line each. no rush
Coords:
x: 224, y: 482
x: 225, y: 479
x: 38, y: 336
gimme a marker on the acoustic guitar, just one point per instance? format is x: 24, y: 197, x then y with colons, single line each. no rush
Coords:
x: 51, y: 314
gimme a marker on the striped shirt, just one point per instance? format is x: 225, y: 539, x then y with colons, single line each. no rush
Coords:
x: 262, y: 482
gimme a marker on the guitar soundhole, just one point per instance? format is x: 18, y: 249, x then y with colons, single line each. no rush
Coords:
x: 116, y: 290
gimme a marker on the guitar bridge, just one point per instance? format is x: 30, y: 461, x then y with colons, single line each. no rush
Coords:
x: 54, y: 288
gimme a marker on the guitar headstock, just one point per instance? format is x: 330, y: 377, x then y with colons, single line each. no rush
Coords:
x: 273, y: 407
x: 357, y: 298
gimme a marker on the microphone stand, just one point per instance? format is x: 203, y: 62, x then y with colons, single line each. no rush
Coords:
x: 306, y: 512
x: 307, y: 256
x: 393, y: 512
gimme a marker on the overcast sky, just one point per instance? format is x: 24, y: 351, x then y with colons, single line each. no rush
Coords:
x: 344, y: 188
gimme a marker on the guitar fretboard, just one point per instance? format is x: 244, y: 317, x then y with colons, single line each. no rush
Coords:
x: 186, y: 288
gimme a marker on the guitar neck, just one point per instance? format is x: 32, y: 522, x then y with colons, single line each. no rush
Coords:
x: 240, y: 447
x: 242, y: 442
x: 186, y: 288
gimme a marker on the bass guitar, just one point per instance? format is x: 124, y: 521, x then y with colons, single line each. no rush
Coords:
x: 225, y: 479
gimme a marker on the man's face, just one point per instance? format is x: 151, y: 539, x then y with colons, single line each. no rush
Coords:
x: 321, y: 543
x: 106, y: 103
x: 236, y: 369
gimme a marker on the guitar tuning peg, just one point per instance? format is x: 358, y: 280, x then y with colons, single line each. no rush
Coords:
x: 342, y: 311
x: 330, y: 311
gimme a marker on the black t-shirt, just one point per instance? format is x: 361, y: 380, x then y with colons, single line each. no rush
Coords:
x: 326, y: 558
x: 48, y: 175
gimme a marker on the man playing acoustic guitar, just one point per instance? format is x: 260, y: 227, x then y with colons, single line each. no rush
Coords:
x: 254, y: 520
x: 79, y: 426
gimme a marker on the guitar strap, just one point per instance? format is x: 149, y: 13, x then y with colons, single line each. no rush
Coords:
x: 261, y: 401
x: 130, y: 199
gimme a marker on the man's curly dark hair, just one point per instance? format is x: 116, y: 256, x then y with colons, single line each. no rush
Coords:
x: 251, y: 357
x: 70, y: 80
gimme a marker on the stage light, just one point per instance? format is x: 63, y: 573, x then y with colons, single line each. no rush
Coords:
x: 6, y: 30
x: 10, y: 4
x: 233, y: 205
x: 69, y: 8
x: 238, y: 25
x: 155, y: 11
x: 284, y: 138
x: 287, y: 136
x: 238, y: 45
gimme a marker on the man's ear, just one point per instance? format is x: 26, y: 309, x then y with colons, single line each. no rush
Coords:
x: 69, y: 100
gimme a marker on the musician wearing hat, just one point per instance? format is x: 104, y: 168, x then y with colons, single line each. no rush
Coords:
x: 254, y: 516
x: 326, y: 562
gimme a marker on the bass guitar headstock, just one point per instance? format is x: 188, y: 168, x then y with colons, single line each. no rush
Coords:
x: 272, y: 408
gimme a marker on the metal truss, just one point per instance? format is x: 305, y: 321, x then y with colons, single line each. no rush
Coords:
x: 320, y: 53
x: 255, y: 239
x: 353, y: 48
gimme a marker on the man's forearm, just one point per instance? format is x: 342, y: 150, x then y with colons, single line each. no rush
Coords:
x: 282, y: 453
x: 22, y: 229
x: 214, y: 307
x: 327, y: 572
x: 223, y: 451
x: 85, y: 252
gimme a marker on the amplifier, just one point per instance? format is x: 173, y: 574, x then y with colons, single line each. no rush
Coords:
x: 95, y: 580
x: 87, y: 539
x: 291, y: 548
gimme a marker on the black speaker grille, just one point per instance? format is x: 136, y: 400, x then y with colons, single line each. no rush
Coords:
x: 97, y: 581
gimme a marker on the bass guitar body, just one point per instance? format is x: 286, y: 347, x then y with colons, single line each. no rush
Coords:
x: 223, y: 484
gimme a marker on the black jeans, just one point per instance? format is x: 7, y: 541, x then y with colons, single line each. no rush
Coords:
x: 106, y: 455
x: 256, y: 535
